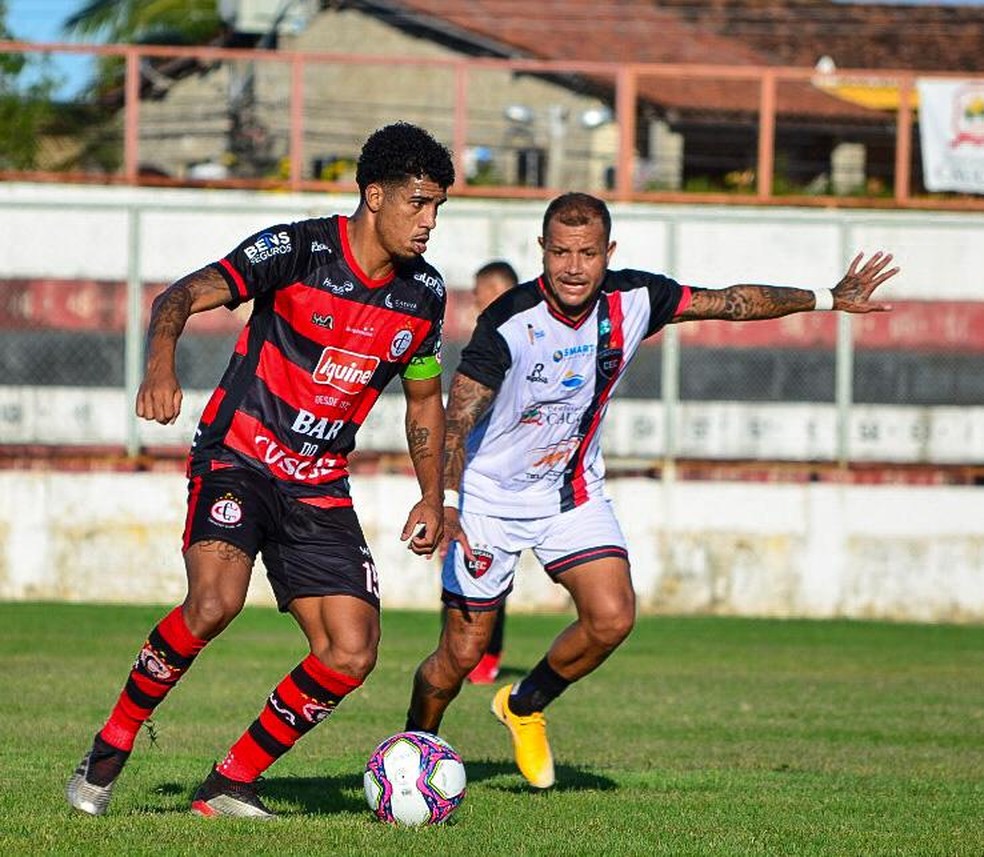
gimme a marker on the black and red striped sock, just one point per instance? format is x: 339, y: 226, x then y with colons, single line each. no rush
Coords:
x: 165, y: 657
x: 305, y: 697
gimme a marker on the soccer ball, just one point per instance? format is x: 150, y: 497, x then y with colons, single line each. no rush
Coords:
x: 414, y: 778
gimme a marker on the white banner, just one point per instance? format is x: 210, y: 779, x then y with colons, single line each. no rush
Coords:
x: 951, y: 130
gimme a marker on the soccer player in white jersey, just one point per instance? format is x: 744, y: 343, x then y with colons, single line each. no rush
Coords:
x: 523, y: 427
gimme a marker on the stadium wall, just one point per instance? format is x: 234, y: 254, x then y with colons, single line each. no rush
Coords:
x: 807, y: 550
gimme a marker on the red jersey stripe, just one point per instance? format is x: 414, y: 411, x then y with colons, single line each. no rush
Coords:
x: 237, y: 279
x: 616, y: 341
x: 686, y: 297
x: 249, y: 437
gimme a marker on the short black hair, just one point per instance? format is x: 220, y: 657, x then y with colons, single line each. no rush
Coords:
x: 401, y: 151
x: 578, y: 209
x: 500, y: 267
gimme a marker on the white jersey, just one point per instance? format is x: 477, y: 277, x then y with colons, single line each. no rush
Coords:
x: 536, y: 452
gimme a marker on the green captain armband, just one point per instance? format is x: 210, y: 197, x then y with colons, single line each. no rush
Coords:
x: 422, y: 368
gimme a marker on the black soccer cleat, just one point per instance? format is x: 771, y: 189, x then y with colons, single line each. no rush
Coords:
x: 91, y: 786
x: 220, y: 796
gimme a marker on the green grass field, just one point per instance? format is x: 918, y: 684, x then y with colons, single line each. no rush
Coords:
x: 701, y: 736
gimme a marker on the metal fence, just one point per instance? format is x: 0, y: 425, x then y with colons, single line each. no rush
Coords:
x: 295, y: 120
x: 81, y: 267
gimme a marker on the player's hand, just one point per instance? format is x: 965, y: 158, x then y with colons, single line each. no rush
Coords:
x: 159, y: 396
x: 853, y: 292
x: 454, y: 533
x: 424, y: 528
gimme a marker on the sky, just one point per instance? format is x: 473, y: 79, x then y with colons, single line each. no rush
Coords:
x: 40, y: 21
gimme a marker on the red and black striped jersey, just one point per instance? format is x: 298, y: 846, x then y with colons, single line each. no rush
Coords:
x: 322, y: 342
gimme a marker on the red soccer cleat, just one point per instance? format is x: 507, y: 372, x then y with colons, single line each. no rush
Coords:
x: 486, y: 670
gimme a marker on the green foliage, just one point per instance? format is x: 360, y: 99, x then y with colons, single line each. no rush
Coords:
x: 25, y: 107
x: 700, y: 736
x: 149, y: 21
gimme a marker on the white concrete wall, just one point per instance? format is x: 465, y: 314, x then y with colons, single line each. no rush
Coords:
x: 76, y: 231
x: 816, y: 550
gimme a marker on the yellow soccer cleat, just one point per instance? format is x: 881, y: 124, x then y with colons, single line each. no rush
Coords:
x: 529, y: 735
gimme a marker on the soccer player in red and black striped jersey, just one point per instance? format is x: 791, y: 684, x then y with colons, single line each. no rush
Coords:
x: 340, y: 306
x: 523, y: 444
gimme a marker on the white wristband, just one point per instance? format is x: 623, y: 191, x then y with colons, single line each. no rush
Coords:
x: 823, y: 298
x: 452, y: 499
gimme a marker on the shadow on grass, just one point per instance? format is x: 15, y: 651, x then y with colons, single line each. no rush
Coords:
x: 569, y: 778
x: 333, y: 795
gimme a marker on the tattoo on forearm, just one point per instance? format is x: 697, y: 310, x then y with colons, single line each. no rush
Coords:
x: 468, y: 401
x: 170, y: 311
x: 748, y: 302
x: 418, y: 441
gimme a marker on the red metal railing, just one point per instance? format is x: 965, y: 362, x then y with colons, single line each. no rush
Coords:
x: 626, y: 99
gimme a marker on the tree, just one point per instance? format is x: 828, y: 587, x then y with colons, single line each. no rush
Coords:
x: 158, y: 22
x: 26, y: 89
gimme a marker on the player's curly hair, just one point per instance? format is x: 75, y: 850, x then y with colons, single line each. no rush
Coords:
x: 401, y: 151
x: 578, y: 209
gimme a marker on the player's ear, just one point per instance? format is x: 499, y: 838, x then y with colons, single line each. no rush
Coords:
x: 610, y: 251
x: 374, y: 196
x: 542, y: 245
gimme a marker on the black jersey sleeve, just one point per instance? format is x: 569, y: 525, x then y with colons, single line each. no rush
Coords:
x: 264, y: 262
x: 665, y: 295
x: 486, y: 357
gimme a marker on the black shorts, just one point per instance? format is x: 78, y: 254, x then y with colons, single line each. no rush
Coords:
x: 307, y: 550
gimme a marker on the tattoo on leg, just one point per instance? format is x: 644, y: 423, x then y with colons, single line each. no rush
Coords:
x: 226, y: 552
x: 425, y: 688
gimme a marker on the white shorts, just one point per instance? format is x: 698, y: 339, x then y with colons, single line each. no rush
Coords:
x: 560, y: 542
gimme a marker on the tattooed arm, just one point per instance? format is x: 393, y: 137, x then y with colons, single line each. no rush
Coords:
x: 425, y: 441
x: 159, y: 396
x: 467, y: 403
x: 748, y: 302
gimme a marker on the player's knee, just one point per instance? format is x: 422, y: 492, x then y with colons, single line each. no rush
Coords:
x: 208, y: 614
x: 609, y: 628
x: 463, y: 652
x: 354, y: 662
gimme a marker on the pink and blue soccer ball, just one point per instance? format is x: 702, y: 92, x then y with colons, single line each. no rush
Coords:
x: 414, y: 778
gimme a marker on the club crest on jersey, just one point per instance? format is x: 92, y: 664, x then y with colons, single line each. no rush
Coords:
x: 319, y: 320
x: 344, y: 370
x: 609, y: 359
x: 227, y: 511
x: 481, y: 564
x: 402, y: 341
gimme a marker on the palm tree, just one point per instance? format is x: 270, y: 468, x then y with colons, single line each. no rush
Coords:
x: 166, y: 22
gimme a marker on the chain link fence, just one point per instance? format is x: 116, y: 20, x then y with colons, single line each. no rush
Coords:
x: 904, y: 387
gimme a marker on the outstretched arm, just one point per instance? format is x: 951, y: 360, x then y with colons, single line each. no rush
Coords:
x: 425, y: 440
x: 467, y: 403
x: 750, y: 302
x: 159, y: 396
